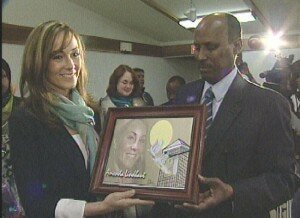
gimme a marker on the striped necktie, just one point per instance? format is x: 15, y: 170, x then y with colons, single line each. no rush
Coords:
x: 208, y: 100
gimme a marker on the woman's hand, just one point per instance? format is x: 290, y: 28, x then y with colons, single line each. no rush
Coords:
x: 114, y: 201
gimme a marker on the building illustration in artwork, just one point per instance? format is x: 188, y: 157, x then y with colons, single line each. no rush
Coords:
x: 172, y: 161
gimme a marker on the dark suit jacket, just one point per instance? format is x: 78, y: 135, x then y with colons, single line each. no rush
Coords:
x: 249, y: 146
x: 48, y: 165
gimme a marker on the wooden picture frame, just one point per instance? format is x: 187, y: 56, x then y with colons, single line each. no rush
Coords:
x: 157, y: 151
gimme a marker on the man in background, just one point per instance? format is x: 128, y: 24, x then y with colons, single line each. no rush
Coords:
x: 244, y: 69
x: 142, y: 93
x: 296, y: 127
x: 248, y: 166
x: 173, y: 84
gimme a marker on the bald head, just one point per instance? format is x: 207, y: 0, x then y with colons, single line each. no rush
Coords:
x: 224, y: 23
x: 173, y: 85
x: 217, y: 41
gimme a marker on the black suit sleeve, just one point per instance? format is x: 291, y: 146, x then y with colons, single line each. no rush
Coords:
x: 275, y: 181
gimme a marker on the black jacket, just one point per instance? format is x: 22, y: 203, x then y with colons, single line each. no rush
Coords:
x: 48, y: 165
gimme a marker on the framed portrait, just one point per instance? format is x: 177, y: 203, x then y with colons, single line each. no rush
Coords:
x: 155, y: 150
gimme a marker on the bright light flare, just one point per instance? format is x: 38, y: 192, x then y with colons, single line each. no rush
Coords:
x: 273, y: 42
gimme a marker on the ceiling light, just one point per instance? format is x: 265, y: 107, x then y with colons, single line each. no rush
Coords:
x: 242, y: 16
x: 188, y: 24
x: 191, y: 13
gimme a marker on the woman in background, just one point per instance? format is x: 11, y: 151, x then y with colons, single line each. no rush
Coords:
x: 11, y: 206
x: 123, y: 86
x: 53, y: 140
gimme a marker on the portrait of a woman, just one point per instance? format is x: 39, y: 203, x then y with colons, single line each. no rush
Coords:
x: 126, y: 162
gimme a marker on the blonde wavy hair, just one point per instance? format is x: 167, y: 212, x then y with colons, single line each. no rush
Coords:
x: 36, y: 56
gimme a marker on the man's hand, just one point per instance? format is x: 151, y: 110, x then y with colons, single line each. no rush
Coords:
x: 218, y: 192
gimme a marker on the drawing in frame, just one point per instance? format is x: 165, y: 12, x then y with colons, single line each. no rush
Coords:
x: 157, y: 151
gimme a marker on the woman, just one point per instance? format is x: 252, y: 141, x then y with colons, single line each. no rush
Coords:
x: 11, y: 206
x: 53, y: 140
x: 128, y: 151
x: 123, y: 86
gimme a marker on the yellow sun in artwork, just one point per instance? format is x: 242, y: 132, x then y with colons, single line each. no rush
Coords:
x: 161, y: 132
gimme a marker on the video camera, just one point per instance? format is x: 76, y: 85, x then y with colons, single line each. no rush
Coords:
x: 281, y: 77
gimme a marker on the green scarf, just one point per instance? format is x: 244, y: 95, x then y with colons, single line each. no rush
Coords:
x: 121, y: 101
x: 76, y: 115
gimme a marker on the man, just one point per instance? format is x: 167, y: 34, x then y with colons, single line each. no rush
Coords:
x: 295, y: 86
x: 142, y: 93
x: 248, y: 163
x: 173, y: 85
x: 243, y: 68
x: 296, y: 126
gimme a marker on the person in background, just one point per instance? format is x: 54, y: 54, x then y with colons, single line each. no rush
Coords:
x: 244, y: 69
x: 121, y: 91
x: 173, y: 85
x: 296, y: 127
x: 295, y: 86
x: 142, y: 93
x: 248, y: 163
x: 284, y: 78
x: 53, y: 141
x: 11, y: 206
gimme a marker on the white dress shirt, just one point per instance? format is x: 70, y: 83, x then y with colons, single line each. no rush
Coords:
x: 219, y: 89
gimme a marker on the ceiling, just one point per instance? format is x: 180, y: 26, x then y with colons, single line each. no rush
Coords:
x: 158, y: 19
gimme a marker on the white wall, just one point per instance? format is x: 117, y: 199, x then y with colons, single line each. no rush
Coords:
x: 33, y: 12
x: 157, y: 71
x: 100, y: 64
